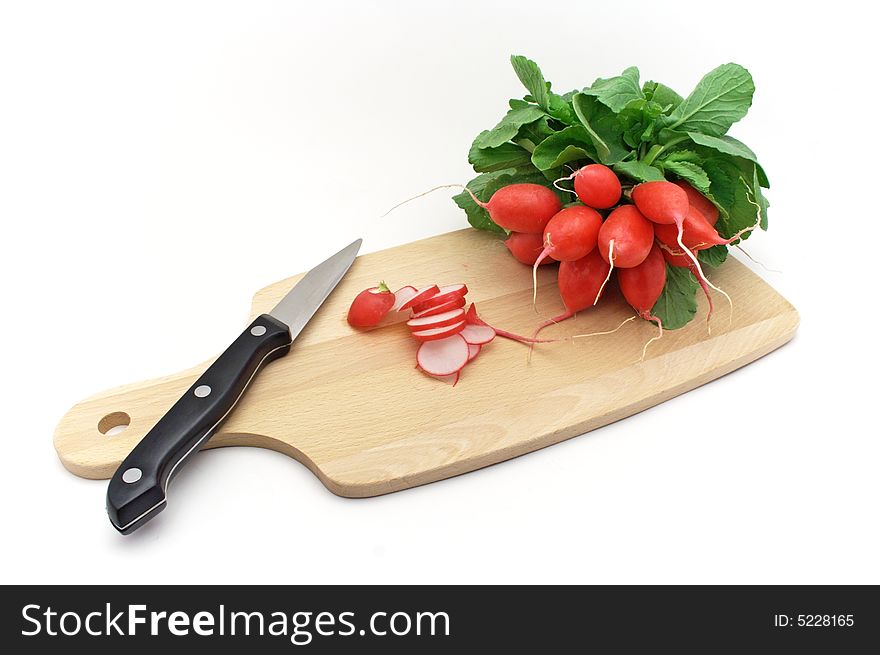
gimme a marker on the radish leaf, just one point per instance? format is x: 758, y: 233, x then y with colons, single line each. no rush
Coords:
x: 616, y: 92
x: 507, y: 155
x: 530, y: 75
x: 677, y: 305
x: 508, y: 126
x: 688, y: 171
x: 714, y: 256
x: 570, y: 144
x: 720, y: 99
x: 638, y: 170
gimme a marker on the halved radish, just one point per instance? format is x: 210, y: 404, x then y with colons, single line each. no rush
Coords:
x: 444, y: 294
x: 439, y: 309
x: 440, y: 332
x: 443, y: 356
x: 420, y: 296
x: 478, y: 334
x: 436, y: 321
x: 473, y: 350
x: 402, y: 295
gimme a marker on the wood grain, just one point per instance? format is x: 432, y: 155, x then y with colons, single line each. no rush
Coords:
x: 351, y: 406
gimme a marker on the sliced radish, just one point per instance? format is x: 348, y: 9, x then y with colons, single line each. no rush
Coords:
x: 436, y: 321
x: 439, y: 309
x: 460, y: 289
x: 435, y: 334
x: 444, y: 356
x: 473, y: 350
x: 420, y: 296
x: 478, y: 334
x: 448, y: 379
x: 444, y: 294
x: 402, y: 295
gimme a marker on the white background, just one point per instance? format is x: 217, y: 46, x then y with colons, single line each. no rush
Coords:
x: 161, y: 161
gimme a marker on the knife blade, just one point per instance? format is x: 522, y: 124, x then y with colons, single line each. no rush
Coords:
x: 137, y: 491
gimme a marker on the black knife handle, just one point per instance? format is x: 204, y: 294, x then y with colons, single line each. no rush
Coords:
x: 137, y: 490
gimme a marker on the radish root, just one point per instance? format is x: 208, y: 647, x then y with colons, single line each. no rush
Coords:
x: 544, y: 254
x: 758, y: 262
x: 596, y: 334
x: 651, y: 317
x: 437, y: 188
x: 679, y: 224
x: 563, y: 179
x: 610, y: 270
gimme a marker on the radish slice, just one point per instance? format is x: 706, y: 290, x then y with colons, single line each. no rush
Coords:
x: 449, y: 379
x: 439, y: 309
x: 473, y: 351
x: 420, y: 296
x: 436, y: 321
x: 401, y: 296
x: 478, y: 334
x: 444, y: 356
x: 440, y: 332
x: 460, y: 289
x: 444, y: 294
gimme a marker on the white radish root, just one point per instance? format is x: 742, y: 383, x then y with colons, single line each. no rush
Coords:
x: 679, y: 224
x: 596, y: 334
x: 610, y: 271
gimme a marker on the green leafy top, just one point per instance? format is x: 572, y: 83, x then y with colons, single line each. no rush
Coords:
x: 644, y: 132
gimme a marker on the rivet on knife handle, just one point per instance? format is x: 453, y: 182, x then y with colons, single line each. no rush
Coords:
x: 137, y: 490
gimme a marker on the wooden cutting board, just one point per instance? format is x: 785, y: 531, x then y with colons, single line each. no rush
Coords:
x: 351, y: 406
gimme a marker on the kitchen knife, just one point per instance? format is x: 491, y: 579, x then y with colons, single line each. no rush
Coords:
x: 137, y: 491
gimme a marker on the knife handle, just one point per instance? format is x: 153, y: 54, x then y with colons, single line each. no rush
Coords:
x: 137, y: 490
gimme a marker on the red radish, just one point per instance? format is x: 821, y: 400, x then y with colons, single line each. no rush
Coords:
x: 661, y: 202
x: 443, y: 307
x: 439, y: 333
x: 700, y: 202
x: 473, y: 351
x: 642, y: 286
x: 443, y: 356
x: 624, y: 240
x: 421, y: 296
x: 626, y: 237
x: 526, y: 248
x: 478, y: 334
x: 444, y: 294
x: 697, y: 233
x: 473, y: 319
x: 580, y: 285
x: 666, y: 203
x: 569, y: 235
x: 675, y: 257
x: 402, y: 295
x: 370, y: 306
x: 436, y: 321
x: 597, y: 186
x: 521, y: 207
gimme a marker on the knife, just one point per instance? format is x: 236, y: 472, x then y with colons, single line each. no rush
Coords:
x: 137, y: 491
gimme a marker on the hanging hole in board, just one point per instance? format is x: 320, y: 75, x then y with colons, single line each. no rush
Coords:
x: 114, y: 423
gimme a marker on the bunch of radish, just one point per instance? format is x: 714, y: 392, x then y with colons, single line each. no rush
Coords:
x: 449, y: 336
x: 666, y: 222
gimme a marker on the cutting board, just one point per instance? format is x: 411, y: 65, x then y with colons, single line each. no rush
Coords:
x: 352, y: 407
